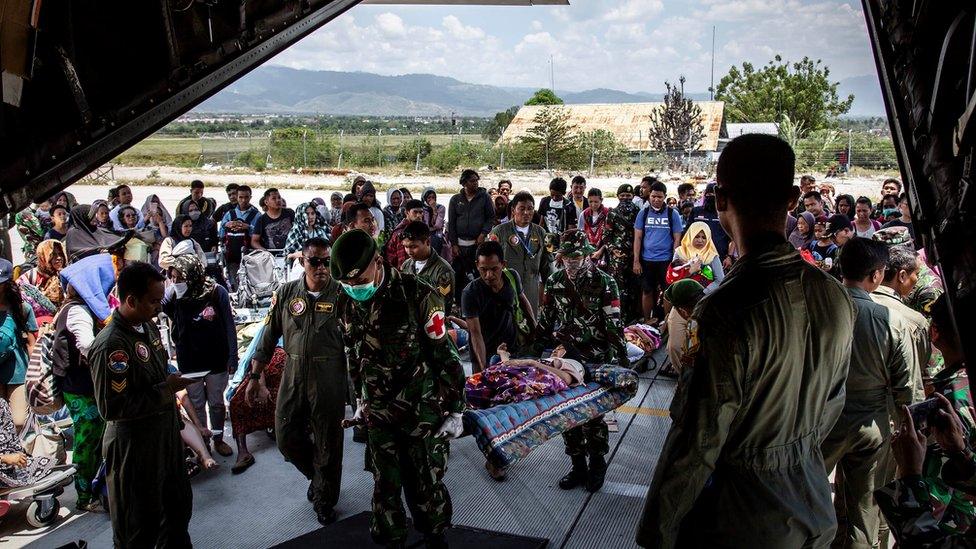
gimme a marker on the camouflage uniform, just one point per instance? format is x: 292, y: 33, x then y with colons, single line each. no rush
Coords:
x: 409, y: 377
x: 438, y: 273
x: 618, y: 237
x: 583, y: 313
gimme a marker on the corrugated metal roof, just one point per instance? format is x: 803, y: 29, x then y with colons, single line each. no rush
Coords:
x: 734, y: 130
x: 629, y: 122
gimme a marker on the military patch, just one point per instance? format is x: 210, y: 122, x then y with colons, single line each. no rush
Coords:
x: 118, y: 362
x: 297, y: 306
x: 324, y: 307
x: 435, y: 327
x: 142, y: 351
x: 513, y: 240
x: 444, y: 289
x: 493, y: 237
x: 119, y: 386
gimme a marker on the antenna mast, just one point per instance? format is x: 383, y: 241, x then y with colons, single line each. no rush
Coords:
x: 711, y: 88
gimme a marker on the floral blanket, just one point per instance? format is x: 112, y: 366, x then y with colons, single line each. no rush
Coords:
x: 507, y: 433
x: 501, y: 384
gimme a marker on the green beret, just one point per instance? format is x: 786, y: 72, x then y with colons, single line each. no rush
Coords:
x: 684, y: 293
x: 351, y: 253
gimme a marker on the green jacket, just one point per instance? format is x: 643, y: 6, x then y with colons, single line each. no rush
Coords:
x: 438, y: 273
x: 769, y: 350
x: 129, y: 372
x: 533, y: 264
x: 881, y: 362
x: 309, y: 325
x: 403, y: 365
x: 918, y: 334
x: 584, y: 313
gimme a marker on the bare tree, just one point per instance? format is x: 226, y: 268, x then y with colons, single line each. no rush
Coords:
x: 677, y: 125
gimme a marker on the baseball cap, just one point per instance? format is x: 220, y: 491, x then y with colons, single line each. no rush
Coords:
x: 6, y: 270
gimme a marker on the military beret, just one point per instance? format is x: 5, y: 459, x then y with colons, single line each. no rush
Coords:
x: 684, y: 292
x: 351, y: 253
x: 625, y: 188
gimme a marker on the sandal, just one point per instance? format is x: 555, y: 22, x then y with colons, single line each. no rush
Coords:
x: 242, y: 465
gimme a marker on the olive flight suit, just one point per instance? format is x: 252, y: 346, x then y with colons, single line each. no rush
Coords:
x: 313, y: 384
x: 880, y: 371
x: 149, y: 494
x: 409, y: 377
x: 526, y: 255
x: 438, y: 273
x: 741, y: 466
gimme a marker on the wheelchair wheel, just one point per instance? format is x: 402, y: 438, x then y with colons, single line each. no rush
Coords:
x: 42, y: 512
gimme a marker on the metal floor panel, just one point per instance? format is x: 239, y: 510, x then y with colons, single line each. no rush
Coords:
x: 266, y: 505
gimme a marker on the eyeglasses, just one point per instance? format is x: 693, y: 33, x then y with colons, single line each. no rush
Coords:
x: 317, y: 262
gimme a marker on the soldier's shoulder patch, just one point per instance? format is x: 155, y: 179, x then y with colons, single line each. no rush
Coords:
x: 493, y: 236
x: 436, y: 326
x: 119, y: 386
x: 513, y: 240
x: 118, y: 362
x: 297, y: 306
x: 142, y: 351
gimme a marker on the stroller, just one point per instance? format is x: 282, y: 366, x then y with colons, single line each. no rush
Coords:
x: 47, y: 438
x: 261, y: 273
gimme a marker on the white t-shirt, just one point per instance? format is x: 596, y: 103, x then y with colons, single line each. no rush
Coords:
x: 419, y: 265
x: 523, y: 230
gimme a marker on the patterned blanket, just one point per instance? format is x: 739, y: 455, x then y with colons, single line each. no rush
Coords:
x: 508, y: 432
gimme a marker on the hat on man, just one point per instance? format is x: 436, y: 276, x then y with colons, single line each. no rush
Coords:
x: 6, y: 270
x: 351, y: 254
x: 574, y: 243
x: 837, y: 223
x: 684, y: 293
x: 625, y: 188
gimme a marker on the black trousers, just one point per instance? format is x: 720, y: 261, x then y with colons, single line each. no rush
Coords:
x: 464, y: 269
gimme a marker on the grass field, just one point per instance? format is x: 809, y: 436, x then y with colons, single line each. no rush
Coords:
x: 196, y: 151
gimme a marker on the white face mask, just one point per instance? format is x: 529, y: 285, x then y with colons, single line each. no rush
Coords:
x: 180, y: 289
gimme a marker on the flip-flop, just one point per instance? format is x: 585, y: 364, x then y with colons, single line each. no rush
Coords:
x: 242, y: 466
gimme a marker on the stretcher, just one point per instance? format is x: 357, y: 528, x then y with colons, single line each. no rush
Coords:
x: 509, y: 432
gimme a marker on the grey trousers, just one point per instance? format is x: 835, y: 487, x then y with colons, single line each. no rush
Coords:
x: 210, y: 392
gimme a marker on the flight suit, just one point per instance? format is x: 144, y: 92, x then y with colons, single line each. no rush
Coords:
x: 149, y: 494
x: 409, y: 377
x: 526, y: 256
x: 438, y: 273
x: 313, y: 384
x: 880, y: 371
x: 741, y: 466
x: 583, y: 313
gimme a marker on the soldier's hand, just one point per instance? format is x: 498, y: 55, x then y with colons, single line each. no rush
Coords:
x: 177, y: 383
x: 453, y: 427
x: 947, y: 429
x: 257, y: 392
x: 17, y: 459
x: 908, y: 446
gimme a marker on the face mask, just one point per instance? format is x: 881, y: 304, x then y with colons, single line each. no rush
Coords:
x: 626, y: 201
x: 573, y: 265
x: 194, y: 215
x: 360, y: 292
x: 180, y: 289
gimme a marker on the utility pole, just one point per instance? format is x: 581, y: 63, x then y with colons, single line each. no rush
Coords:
x: 304, y: 148
x: 552, y: 75
x: 849, y: 143
x: 711, y: 87
x: 340, y: 149
x: 418, y: 152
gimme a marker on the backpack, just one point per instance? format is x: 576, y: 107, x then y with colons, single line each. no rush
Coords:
x: 233, y: 241
x: 43, y: 395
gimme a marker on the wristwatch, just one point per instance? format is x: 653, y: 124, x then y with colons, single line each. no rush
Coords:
x: 253, y: 376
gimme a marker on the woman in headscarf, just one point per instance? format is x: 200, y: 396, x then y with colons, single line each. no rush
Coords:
x: 204, y: 229
x: 394, y: 208
x: 697, y: 258
x: 205, y: 338
x: 335, y: 213
x: 87, y: 307
x: 802, y: 235
x: 51, y: 258
x: 65, y: 199
x: 16, y: 467
x: 434, y: 216
x: 18, y: 332
x: 180, y: 242
x: 308, y: 224
x: 98, y: 217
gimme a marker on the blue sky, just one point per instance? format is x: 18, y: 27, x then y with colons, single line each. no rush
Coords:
x: 630, y: 45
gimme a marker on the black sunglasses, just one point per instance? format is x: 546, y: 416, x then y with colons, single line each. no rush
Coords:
x: 317, y: 262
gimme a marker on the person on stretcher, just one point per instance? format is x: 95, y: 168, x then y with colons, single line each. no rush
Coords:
x: 518, y: 379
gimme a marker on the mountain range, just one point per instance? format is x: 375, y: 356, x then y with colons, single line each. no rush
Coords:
x: 274, y: 89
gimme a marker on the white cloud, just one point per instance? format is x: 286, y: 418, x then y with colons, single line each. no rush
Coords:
x: 460, y: 31
x: 634, y: 11
x: 390, y: 24
x: 536, y: 25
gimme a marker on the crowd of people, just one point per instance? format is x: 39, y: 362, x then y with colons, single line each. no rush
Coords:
x: 776, y: 299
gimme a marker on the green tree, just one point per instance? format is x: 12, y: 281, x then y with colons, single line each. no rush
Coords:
x: 677, y: 125
x: 802, y: 90
x: 603, y: 147
x: 495, y: 127
x: 297, y: 147
x: 545, y: 96
x: 407, y: 152
x: 553, y: 138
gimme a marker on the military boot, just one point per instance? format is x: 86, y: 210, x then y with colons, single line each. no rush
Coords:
x: 597, y: 473
x: 576, y: 477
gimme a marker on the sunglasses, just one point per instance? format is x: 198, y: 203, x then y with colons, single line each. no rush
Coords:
x: 317, y: 262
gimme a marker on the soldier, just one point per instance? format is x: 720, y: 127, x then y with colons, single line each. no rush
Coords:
x: 312, y: 390
x: 524, y: 247
x: 581, y: 310
x: 409, y: 384
x: 149, y: 494
x: 426, y: 265
x: 618, y: 237
x: 767, y: 360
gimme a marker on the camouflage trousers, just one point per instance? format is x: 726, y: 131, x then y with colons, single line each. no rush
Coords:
x: 591, y: 438
x: 629, y: 286
x: 417, y: 465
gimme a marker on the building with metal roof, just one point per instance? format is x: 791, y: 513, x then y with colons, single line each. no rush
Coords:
x: 735, y: 129
x: 629, y: 122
